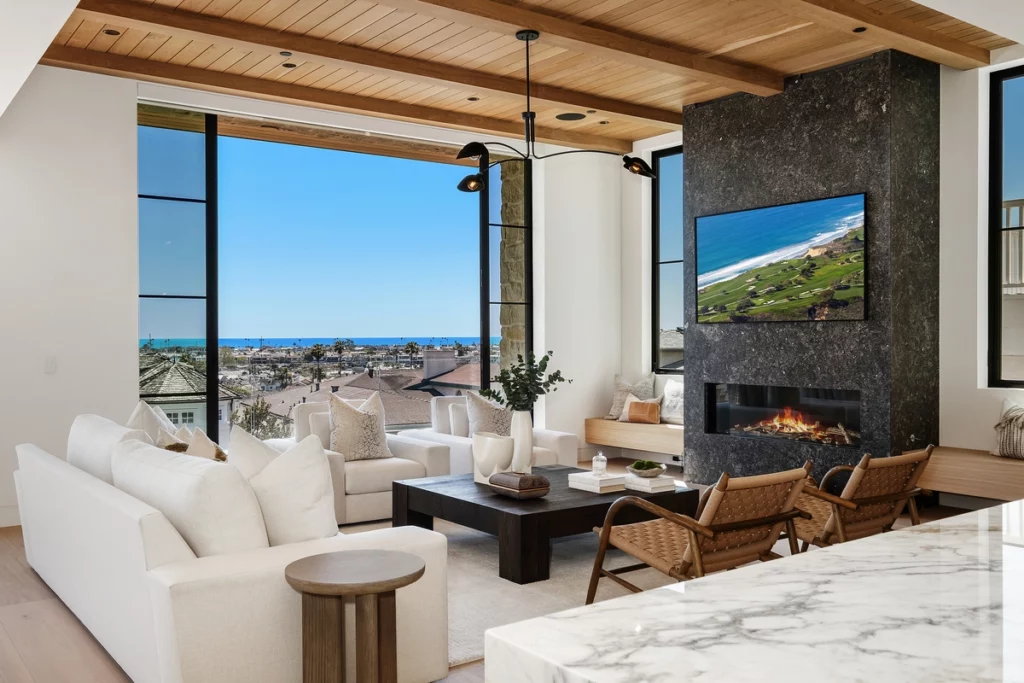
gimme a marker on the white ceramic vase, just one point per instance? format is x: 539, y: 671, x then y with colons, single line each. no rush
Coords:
x: 522, y: 435
x: 491, y: 454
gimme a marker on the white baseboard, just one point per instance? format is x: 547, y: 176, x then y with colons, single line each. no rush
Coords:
x: 9, y: 516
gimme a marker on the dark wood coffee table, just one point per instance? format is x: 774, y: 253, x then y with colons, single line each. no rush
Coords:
x: 524, y: 527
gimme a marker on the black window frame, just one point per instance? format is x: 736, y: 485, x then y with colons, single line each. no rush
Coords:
x: 210, y: 297
x: 996, y: 229
x: 656, y: 262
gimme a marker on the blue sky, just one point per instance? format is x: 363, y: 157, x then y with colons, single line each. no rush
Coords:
x: 1013, y: 139
x: 313, y: 242
x: 670, y: 241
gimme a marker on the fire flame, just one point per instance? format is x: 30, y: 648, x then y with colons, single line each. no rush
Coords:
x: 792, y: 424
x: 791, y: 421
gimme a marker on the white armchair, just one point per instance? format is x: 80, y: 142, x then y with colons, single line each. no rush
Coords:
x: 449, y: 425
x: 362, y: 488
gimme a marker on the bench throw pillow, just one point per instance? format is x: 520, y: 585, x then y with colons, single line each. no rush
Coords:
x: 643, y: 390
x: 672, y: 405
x: 210, y: 503
x: 647, y: 412
x: 485, y: 416
x: 294, y: 488
x: 1010, y: 431
x: 358, y: 433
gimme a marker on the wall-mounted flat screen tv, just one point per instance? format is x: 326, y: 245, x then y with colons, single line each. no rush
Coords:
x: 783, y: 263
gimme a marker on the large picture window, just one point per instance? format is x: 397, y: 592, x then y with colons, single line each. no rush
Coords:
x: 1006, y: 231
x: 667, y: 268
x: 282, y: 272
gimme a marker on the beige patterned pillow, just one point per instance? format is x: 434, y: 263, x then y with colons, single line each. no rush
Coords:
x: 1011, y: 431
x: 485, y: 416
x: 358, y: 433
x: 643, y: 390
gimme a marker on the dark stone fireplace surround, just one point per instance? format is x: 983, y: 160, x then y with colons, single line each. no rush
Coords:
x: 870, y: 126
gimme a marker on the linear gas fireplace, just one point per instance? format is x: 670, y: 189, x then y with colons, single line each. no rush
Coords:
x: 824, y: 416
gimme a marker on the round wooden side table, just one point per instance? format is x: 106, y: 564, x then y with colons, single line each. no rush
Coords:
x: 371, y: 576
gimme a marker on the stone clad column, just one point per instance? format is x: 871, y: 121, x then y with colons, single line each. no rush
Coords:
x: 513, y: 264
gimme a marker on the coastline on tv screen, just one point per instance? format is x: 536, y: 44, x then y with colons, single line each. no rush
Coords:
x: 796, y: 262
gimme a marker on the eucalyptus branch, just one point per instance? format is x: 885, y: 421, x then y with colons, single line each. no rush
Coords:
x: 524, y: 382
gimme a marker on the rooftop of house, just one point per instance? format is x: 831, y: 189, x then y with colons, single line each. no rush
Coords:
x: 171, y: 380
x: 463, y: 377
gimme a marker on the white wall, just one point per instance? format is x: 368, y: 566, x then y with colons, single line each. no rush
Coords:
x: 27, y: 27
x: 68, y: 260
x: 577, y: 240
x: 968, y: 409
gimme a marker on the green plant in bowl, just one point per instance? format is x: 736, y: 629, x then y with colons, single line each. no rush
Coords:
x: 646, y: 468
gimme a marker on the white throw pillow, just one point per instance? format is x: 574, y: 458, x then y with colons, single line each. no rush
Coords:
x: 294, y: 488
x: 485, y: 416
x: 150, y: 419
x: 165, y: 438
x: 672, y: 405
x: 643, y: 390
x: 1010, y: 431
x: 358, y: 433
x: 624, y: 417
x: 458, y: 416
x: 203, y: 447
x: 210, y: 503
x: 91, y: 444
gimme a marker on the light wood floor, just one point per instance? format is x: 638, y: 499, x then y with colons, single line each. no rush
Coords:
x: 41, y: 641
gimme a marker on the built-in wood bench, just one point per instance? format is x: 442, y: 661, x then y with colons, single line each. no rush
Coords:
x: 974, y: 473
x: 659, y: 438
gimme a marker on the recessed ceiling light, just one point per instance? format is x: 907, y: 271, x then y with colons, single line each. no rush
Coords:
x: 289, y: 65
x: 111, y: 32
x: 591, y: 111
x: 285, y: 53
x: 570, y: 116
x: 860, y: 29
x: 473, y: 99
x: 604, y: 123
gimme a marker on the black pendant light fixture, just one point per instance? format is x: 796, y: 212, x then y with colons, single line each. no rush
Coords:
x: 475, y: 182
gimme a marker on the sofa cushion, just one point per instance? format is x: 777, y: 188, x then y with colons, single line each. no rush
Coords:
x: 543, y: 457
x: 150, y: 419
x: 293, y: 488
x: 202, y: 446
x: 210, y: 503
x: 375, y: 476
x: 485, y: 416
x: 320, y: 426
x: 91, y: 444
x: 358, y: 432
x: 643, y: 390
x: 458, y: 416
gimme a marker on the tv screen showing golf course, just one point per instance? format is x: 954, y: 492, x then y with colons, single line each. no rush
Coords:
x: 784, y: 263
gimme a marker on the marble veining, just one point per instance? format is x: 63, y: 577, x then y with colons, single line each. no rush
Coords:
x: 943, y: 601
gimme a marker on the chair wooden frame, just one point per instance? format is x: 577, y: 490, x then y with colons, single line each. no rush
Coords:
x: 694, y: 531
x: 839, y: 504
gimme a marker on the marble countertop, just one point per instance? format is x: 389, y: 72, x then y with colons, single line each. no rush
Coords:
x: 942, y: 601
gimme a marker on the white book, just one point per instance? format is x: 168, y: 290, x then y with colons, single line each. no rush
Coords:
x: 591, y: 479
x: 597, y: 489
x: 650, y: 485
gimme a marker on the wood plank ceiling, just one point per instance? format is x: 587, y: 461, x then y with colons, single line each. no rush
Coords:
x: 628, y: 65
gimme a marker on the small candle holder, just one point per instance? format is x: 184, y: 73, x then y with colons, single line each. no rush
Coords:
x: 599, y: 465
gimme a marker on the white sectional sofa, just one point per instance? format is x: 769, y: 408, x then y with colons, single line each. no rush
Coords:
x: 449, y: 425
x: 362, y: 488
x: 166, y: 616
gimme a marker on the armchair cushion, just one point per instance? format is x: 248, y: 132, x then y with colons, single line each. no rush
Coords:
x: 458, y: 417
x: 358, y: 433
x: 485, y: 416
x: 376, y: 476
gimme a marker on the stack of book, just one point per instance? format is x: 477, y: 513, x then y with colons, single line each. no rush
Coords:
x: 604, y: 483
x: 650, y: 484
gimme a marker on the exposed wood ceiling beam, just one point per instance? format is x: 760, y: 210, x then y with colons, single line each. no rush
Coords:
x: 611, y: 45
x: 157, y: 19
x: 887, y: 30
x: 160, y: 72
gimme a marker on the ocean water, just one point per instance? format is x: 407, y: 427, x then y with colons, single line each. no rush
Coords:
x: 241, y: 343
x: 732, y: 244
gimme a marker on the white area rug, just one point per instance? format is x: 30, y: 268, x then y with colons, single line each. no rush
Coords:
x: 478, y: 599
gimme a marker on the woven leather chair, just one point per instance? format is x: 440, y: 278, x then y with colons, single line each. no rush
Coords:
x: 874, y: 497
x: 738, y: 521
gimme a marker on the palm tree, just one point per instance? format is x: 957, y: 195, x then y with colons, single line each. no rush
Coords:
x: 412, y: 348
x: 316, y: 354
x: 460, y: 350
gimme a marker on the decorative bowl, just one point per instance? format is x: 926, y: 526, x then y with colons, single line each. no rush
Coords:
x: 648, y: 474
